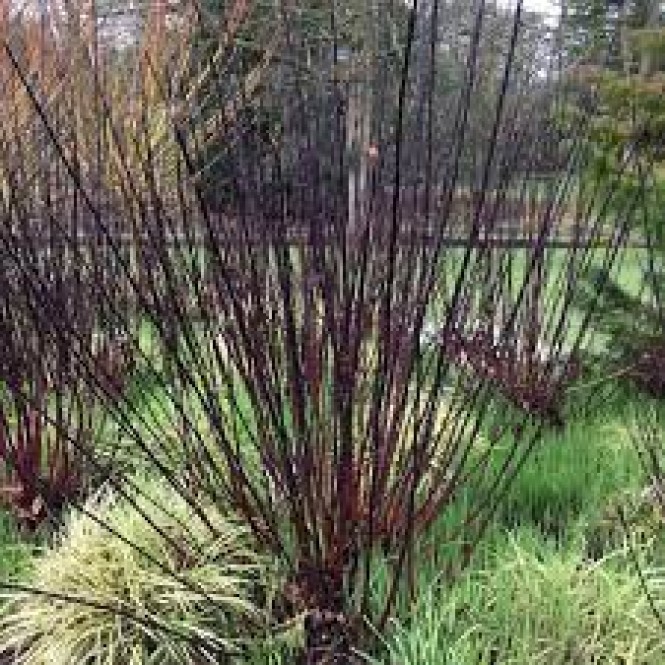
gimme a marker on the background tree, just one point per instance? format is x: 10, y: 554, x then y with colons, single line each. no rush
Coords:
x: 620, y: 52
x: 620, y: 71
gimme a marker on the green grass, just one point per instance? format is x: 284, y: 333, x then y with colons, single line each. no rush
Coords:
x: 532, y: 601
x: 552, y: 582
x: 571, y: 474
x: 14, y: 551
x: 628, y: 271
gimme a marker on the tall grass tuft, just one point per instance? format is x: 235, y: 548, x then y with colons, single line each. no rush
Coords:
x: 333, y: 331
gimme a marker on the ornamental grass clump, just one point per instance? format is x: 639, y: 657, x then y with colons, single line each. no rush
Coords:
x: 41, y: 473
x: 369, y: 166
x: 49, y: 421
x: 130, y: 596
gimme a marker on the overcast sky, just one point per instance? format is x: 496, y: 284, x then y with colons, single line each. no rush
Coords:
x: 548, y: 8
x: 541, y: 5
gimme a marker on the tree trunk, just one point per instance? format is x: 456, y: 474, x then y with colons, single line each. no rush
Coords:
x: 653, y: 21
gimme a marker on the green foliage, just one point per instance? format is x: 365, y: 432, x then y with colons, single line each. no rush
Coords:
x: 560, y: 589
x: 88, y: 562
x: 533, y: 602
x: 618, y: 52
x: 631, y: 327
x: 571, y: 474
x: 14, y: 552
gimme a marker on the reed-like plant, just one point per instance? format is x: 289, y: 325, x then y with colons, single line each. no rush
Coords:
x: 395, y: 192
x: 42, y: 411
